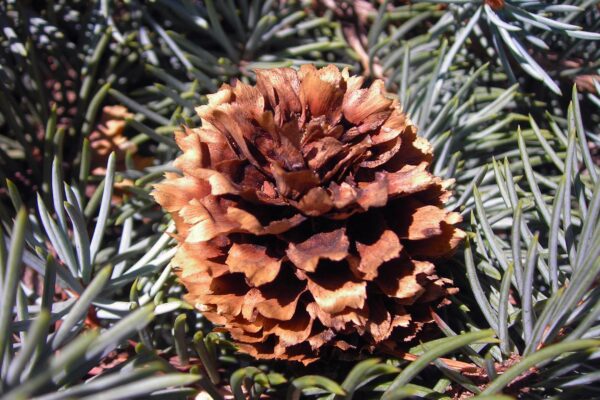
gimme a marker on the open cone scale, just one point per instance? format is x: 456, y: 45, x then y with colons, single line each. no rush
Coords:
x: 307, y: 217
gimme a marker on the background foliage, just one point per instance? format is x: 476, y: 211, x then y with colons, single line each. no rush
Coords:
x: 507, y: 92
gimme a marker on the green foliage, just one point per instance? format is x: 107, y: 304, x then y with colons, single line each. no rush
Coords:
x: 524, y: 32
x: 89, y: 306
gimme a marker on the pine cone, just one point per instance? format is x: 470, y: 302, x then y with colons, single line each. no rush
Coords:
x: 307, y: 217
x: 495, y: 4
x: 109, y: 136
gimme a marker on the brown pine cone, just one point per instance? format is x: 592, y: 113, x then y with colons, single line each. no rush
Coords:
x: 495, y: 4
x: 109, y: 136
x: 307, y: 217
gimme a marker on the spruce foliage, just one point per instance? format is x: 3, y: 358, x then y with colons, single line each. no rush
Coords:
x: 507, y: 91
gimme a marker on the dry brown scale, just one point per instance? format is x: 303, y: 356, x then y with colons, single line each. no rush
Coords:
x: 307, y: 218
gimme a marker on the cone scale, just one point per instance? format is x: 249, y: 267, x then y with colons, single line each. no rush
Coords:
x: 307, y: 219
